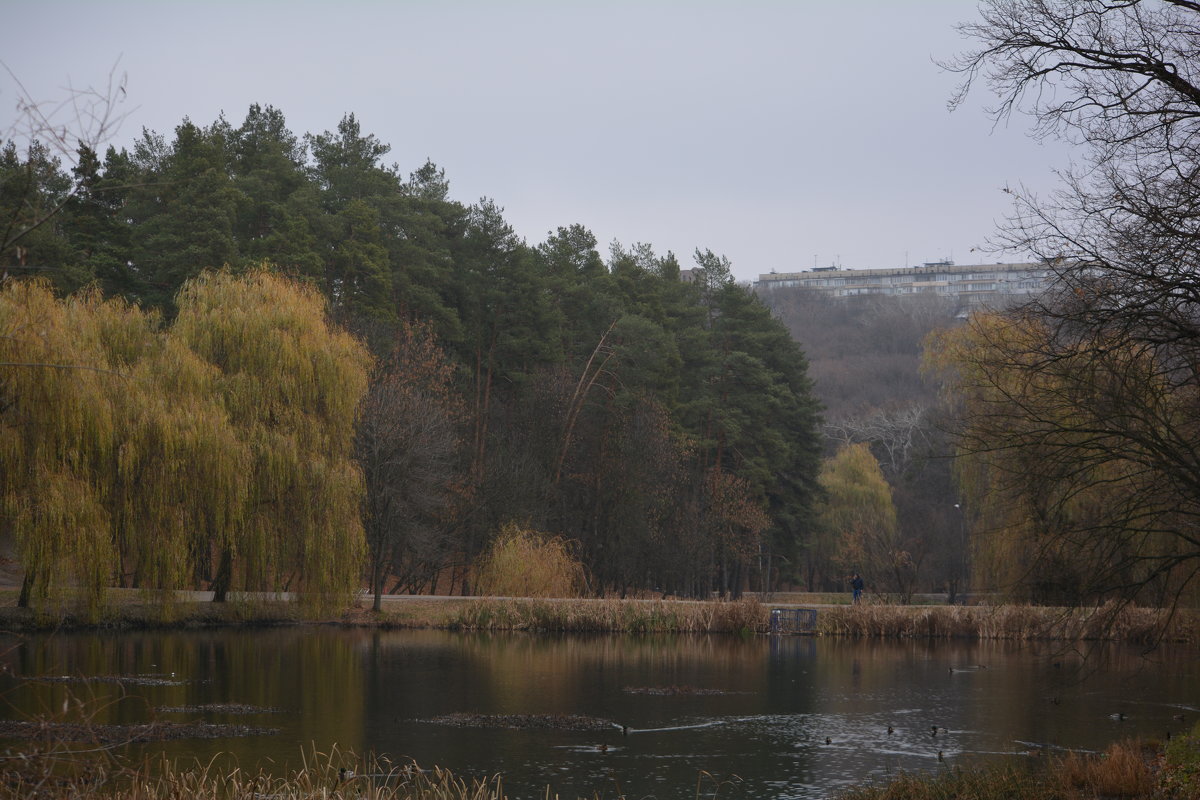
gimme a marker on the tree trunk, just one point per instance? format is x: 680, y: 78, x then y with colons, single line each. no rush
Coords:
x: 224, y: 577
x: 26, y: 589
x: 377, y: 585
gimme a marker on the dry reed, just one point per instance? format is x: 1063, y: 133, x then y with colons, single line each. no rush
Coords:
x: 1126, y: 771
x: 335, y: 775
x: 1122, y: 771
x: 1111, y: 622
x: 611, y: 616
x: 1013, y: 622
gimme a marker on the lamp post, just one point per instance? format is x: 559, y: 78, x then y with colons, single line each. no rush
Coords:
x: 961, y: 580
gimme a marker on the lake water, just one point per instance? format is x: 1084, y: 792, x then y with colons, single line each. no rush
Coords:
x: 768, y: 707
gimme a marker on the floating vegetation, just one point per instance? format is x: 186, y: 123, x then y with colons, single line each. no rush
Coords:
x: 121, y: 680
x: 559, y: 722
x: 124, y: 733
x: 672, y: 691
x: 218, y: 708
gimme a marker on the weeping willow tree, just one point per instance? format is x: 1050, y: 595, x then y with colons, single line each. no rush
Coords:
x: 290, y: 383
x: 857, y: 519
x: 56, y: 442
x: 144, y: 456
x: 179, y: 491
x: 1066, y: 510
x: 112, y: 449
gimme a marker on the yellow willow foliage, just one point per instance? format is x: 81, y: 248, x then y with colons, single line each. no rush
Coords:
x: 1056, y: 445
x: 65, y: 413
x: 857, y: 515
x: 119, y: 462
x: 140, y: 455
x: 180, y: 474
x: 290, y: 383
x: 57, y: 431
x: 988, y: 369
x: 63, y: 538
x: 526, y: 563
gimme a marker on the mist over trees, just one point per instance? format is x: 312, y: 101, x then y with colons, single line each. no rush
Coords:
x: 865, y: 358
x: 665, y: 428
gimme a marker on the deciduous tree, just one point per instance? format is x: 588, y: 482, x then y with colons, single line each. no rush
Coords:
x: 858, y: 521
x: 406, y: 443
x: 1108, y: 362
x: 291, y: 383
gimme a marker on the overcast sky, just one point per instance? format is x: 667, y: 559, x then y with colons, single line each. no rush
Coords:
x: 780, y: 134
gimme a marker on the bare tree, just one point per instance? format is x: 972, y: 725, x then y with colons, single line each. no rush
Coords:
x: 82, y: 119
x: 894, y: 433
x: 407, y: 446
x: 1091, y: 406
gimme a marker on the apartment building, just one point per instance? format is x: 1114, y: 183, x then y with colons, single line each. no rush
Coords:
x: 975, y: 285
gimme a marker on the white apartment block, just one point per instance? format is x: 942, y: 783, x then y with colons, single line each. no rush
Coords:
x: 975, y: 285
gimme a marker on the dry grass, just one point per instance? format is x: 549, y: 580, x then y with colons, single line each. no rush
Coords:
x: 328, y: 776
x: 1015, y: 622
x: 1124, y: 770
x: 1127, y: 771
x: 619, y: 616
x: 1003, y: 622
x: 999, y: 622
x: 528, y: 563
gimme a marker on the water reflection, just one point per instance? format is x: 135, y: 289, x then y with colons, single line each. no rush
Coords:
x: 791, y: 717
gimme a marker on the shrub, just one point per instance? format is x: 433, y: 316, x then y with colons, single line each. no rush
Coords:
x: 527, y: 563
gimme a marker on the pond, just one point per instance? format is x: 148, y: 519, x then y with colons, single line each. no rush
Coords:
x: 791, y: 717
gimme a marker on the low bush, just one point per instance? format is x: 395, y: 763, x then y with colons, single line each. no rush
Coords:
x: 526, y: 563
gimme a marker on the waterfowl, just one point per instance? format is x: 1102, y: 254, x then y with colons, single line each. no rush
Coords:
x: 828, y: 740
x: 891, y: 730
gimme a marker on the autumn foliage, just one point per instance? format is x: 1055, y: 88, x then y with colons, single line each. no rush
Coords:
x: 527, y: 563
x: 213, y: 452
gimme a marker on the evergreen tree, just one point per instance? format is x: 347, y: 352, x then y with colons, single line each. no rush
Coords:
x: 189, y: 210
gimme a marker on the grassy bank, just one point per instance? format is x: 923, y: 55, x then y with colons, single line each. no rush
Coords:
x: 54, y: 773
x: 1011, y: 622
x: 1128, y: 770
x: 998, y: 622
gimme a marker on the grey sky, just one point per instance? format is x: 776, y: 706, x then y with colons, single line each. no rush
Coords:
x: 776, y: 133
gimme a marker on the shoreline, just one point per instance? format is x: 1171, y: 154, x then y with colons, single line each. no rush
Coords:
x: 129, y: 610
x: 1130, y: 769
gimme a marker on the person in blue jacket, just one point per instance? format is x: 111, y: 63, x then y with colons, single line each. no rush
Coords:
x: 856, y: 583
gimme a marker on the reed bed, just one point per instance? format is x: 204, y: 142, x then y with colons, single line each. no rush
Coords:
x: 335, y: 775
x: 1127, y: 770
x: 1001, y: 622
x: 612, y: 616
x: 1012, y: 622
x: 1113, y: 622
